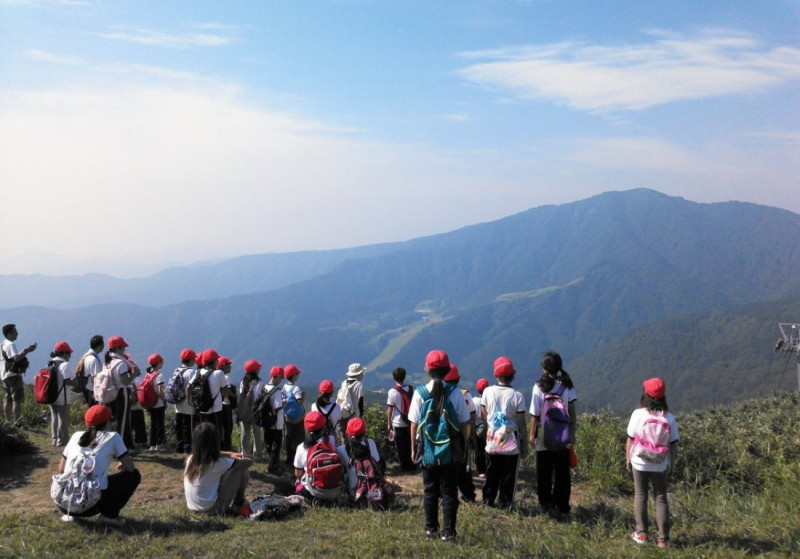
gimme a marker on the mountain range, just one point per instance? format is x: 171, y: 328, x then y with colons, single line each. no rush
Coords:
x: 625, y: 285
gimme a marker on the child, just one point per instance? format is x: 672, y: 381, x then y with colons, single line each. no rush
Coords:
x: 272, y: 420
x: 397, y: 404
x: 59, y: 410
x: 229, y: 397
x: 439, y: 481
x: 215, y: 481
x: 366, y: 468
x: 465, y: 484
x: 329, y: 409
x: 156, y: 413
x: 479, y: 437
x: 184, y: 411
x: 503, y: 459
x: 294, y: 433
x: 650, y: 456
x: 315, y: 484
x: 251, y: 393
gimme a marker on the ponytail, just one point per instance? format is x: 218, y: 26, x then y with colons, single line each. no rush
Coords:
x: 552, y: 366
x: 438, y: 393
x: 88, y: 436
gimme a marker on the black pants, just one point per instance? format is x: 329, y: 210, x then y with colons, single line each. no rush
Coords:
x: 139, y: 427
x: 501, y: 479
x: 295, y: 433
x: 553, y: 480
x: 113, y: 498
x: 227, y: 426
x: 121, y: 410
x: 440, y: 482
x: 183, y: 432
x: 216, y: 419
x: 402, y: 442
x: 157, y: 434
x: 272, y: 446
x: 480, y: 454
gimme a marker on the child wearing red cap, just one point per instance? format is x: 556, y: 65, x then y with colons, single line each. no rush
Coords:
x: 479, y: 436
x: 59, y: 410
x: 158, y: 436
x: 651, y: 452
x: 306, y: 482
x: 272, y: 420
x: 105, y: 446
x: 368, y: 487
x: 328, y: 407
x: 122, y: 371
x: 229, y: 402
x: 251, y: 394
x: 184, y: 411
x: 293, y: 432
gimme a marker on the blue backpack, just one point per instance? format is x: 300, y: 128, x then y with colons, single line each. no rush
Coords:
x: 441, y: 436
x: 292, y: 409
x: 176, y: 387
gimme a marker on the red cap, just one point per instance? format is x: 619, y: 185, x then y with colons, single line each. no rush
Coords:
x: 199, y: 359
x: 276, y: 371
x: 655, y: 388
x: 251, y: 366
x: 97, y: 415
x: 356, y: 427
x: 453, y: 375
x: 155, y: 359
x: 503, y: 367
x: 290, y: 371
x: 481, y: 385
x: 187, y: 354
x: 437, y: 359
x: 117, y: 342
x: 314, y: 421
x: 210, y: 357
x: 326, y: 387
x: 63, y: 347
x: 222, y: 361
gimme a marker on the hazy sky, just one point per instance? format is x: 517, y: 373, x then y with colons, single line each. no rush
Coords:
x: 177, y: 131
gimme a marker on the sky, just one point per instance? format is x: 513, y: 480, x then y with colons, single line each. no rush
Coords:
x: 134, y: 135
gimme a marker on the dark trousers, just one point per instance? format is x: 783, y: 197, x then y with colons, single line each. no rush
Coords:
x: 272, y: 446
x: 121, y: 410
x: 465, y: 484
x: 501, y: 479
x: 157, y: 434
x: 183, y: 432
x: 440, y: 482
x: 480, y: 454
x: 295, y: 433
x: 139, y: 427
x: 553, y: 480
x: 402, y: 442
x: 215, y: 418
x: 226, y: 418
x: 121, y: 487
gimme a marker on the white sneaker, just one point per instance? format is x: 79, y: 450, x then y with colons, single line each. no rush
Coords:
x: 67, y: 518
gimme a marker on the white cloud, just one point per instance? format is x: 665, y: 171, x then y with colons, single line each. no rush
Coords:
x: 632, y: 77
x: 44, y: 56
x: 151, y: 37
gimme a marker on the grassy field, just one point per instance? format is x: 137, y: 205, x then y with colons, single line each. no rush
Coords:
x: 734, y: 494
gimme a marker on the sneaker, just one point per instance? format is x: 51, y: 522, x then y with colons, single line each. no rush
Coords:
x: 432, y: 534
x: 67, y: 518
x: 116, y: 521
x: 639, y: 537
x: 663, y: 543
x: 449, y: 538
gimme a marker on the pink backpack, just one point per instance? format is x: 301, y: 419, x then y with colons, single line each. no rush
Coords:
x: 651, y: 442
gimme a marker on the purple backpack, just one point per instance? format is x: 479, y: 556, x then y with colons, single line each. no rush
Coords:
x: 556, y: 429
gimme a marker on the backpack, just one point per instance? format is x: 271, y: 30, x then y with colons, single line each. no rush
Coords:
x: 146, y: 391
x: 500, y: 437
x: 77, y: 490
x: 441, y: 436
x: 200, y: 391
x: 176, y: 387
x: 45, y: 385
x: 245, y: 405
x: 80, y: 379
x: 371, y: 489
x: 405, y: 397
x: 325, y: 471
x: 105, y: 391
x: 556, y: 430
x: 345, y: 400
x: 292, y: 409
x: 266, y: 415
x: 651, y: 442
x: 329, y: 430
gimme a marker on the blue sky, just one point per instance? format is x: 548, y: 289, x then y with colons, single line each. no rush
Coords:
x: 155, y: 132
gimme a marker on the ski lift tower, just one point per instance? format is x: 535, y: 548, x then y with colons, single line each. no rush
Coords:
x: 789, y: 344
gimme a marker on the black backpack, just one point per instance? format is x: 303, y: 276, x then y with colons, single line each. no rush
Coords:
x: 200, y: 392
x: 266, y: 415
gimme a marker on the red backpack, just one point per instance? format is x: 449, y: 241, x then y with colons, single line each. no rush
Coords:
x: 326, y: 474
x: 406, y: 401
x: 45, y: 385
x: 146, y: 392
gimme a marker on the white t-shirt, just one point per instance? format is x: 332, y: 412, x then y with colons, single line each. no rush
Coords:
x: 505, y: 400
x: 109, y: 446
x: 637, y: 417
x: 537, y: 400
x: 394, y: 400
x: 301, y: 460
x: 201, y: 494
x: 276, y: 401
x: 470, y: 404
x: 333, y: 408
x: 459, y: 404
x: 91, y: 366
x: 63, y: 372
x: 10, y: 349
x: 184, y: 406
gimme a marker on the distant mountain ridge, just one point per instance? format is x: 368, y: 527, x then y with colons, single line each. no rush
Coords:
x: 574, y: 278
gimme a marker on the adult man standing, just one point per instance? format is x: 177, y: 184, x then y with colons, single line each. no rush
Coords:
x: 12, y: 368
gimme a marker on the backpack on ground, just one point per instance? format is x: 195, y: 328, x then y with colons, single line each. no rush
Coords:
x: 80, y: 379
x: 200, y: 391
x: 77, y: 490
x: 405, y: 399
x: 105, y: 391
x: 345, y: 399
x: 651, y: 442
x: 441, y: 435
x: 501, y: 438
x: 175, y: 392
x: 325, y: 471
x: 146, y: 392
x: 556, y: 429
x: 45, y: 385
x: 292, y: 409
x: 265, y: 413
x: 372, y: 490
